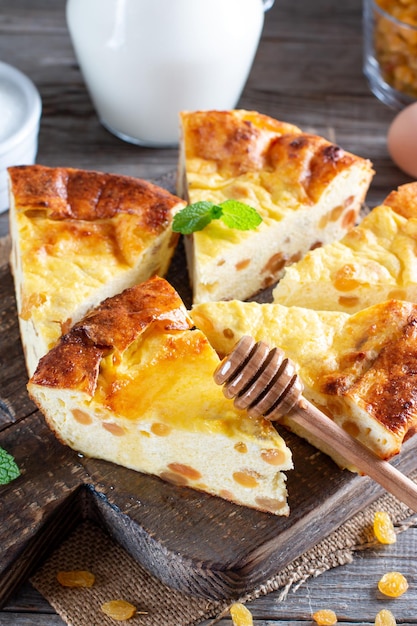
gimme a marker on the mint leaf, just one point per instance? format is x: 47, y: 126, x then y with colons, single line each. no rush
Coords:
x: 194, y: 217
x: 8, y: 468
x: 197, y: 216
x: 239, y: 215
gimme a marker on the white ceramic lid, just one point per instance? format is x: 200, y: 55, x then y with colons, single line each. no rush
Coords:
x: 20, y: 107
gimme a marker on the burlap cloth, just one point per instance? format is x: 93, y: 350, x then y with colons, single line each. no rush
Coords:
x: 118, y: 576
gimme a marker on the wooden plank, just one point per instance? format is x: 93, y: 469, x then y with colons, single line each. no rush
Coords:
x: 21, y: 619
x: 40, y: 507
x: 28, y: 599
x: 351, y: 590
x: 14, y: 401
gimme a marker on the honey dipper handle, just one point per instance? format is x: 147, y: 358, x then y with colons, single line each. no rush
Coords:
x: 319, y: 425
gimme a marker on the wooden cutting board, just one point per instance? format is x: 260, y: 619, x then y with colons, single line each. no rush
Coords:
x: 194, y: 542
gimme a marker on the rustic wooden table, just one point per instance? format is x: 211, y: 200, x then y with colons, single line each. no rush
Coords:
x: 308, y: 71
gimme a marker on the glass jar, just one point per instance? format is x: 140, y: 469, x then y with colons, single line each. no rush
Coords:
x: 390, y: 50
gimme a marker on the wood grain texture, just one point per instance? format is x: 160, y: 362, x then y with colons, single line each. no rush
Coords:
x: 351, y: 590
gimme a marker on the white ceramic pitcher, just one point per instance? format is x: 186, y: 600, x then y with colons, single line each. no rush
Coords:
x: 143, y: 61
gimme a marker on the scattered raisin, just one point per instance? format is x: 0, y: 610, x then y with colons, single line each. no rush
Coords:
x: 384, y: 528
x: 119, y: 609
x: 241, y: 616
x: 393, y: 584
x: 325, y: 617
x: 385, y: 618
x: 76, y: 578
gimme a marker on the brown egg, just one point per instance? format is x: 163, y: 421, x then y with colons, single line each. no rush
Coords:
x: 402, y: 140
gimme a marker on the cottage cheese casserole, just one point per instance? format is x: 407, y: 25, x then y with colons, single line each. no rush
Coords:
x: 78, y: 237
x: 132, y: 383
x: 374, y: 262
x: 359, y: 369
x: 307, y: 190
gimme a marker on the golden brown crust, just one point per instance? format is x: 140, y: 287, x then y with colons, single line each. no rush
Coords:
x: 386, y: 383
x: 113, y: 325
x: 73, y: 363
x: 392, y: 382
x: 309, y: 161
x: 404, y: 200
x: 237, y: 142
x: 72, y: 194
x: 117, y: 321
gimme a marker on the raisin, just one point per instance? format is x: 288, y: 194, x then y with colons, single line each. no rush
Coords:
x: 325, y: 617
x: 241, y: 616
x: 384, y: 528
x: 119, y: 609
x: 385, y: 618
x: 76, y: 578
x: 393, y: 584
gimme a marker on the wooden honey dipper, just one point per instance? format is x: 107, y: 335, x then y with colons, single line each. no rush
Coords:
x: 265, y: 383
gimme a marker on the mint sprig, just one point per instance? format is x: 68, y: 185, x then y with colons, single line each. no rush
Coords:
x: 233, y: 213
x: 8, y: 468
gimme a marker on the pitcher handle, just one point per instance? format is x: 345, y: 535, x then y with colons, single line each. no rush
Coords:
x: 267, y: 4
